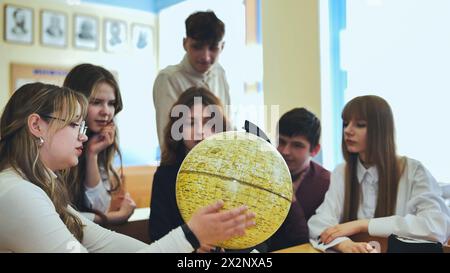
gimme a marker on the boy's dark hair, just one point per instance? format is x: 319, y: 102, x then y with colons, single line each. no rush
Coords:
x: 300, y: 122
x: 205, y: 26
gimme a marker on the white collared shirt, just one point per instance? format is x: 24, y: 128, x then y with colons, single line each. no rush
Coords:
x: 175, y: 79
x: 420, y: 210
x: 29, y: 223
x: 368, y: 179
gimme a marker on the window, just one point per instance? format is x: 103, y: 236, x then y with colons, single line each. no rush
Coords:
x: 399, y: 50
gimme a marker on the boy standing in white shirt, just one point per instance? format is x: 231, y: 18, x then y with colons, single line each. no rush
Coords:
x: 199, y: 68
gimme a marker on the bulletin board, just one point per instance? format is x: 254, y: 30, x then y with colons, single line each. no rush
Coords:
x: 22, y: 74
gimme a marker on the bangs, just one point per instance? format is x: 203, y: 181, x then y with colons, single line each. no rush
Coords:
x: 355, y: 110
x: 94, y: 91
x: 70, y: 106
x: 114, y: 85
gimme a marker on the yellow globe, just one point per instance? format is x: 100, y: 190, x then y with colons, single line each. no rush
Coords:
x: 240, y: 169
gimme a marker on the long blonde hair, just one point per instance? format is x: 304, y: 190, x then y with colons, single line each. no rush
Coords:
x: 19, y: 149
x: 380, y: 152
x: 85, y: 78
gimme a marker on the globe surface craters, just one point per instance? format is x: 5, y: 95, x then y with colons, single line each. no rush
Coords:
x: 240, y: 169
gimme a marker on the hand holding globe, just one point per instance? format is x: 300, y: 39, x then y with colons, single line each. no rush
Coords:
x: 240, y: 169
x: 211, y: 227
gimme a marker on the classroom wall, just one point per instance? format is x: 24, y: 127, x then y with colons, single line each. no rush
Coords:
x: 291, y: 57
x: 291, y: 61
x: 291, y: 54
x: 136, y: 70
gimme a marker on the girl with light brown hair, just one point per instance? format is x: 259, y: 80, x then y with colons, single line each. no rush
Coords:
x: 97, y: 187
x: 377, y: 191
x: 42, y: 130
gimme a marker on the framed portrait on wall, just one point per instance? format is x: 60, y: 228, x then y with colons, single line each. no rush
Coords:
x: 142, y: 37
x: 85, y: 32
x: 53, y: 28
x: 115, y: 35
x: 18, y: 25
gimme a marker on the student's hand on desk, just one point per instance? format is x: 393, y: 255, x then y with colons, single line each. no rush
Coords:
x: 348, y: 246
x: 345, y: 229
x: 211, y: 226
x: 102, y: 140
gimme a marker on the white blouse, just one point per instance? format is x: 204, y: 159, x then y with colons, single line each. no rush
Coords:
x: 420, y: 212
x: 173, y: 80
x: 30, y: 223
x: 98, y: 197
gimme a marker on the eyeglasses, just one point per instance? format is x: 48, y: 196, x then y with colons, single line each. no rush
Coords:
x: 82, y: 125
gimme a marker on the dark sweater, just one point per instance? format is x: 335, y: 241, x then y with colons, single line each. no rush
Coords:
x: 164, y: 213
x: 310, y: 195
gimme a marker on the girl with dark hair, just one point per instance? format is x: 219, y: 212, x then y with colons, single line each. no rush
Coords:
x: 197, y: 105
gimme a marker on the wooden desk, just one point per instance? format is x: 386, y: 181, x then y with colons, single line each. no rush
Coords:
x: 136, y: 227
x: 446, y: 248
x: 365, y: 237
x: 361, y: 237
x: 305, y: 248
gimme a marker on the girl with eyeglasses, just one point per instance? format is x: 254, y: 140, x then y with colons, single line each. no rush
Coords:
x: 40, y: 137
x: 96, y: 187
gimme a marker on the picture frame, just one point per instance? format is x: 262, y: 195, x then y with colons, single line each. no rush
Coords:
x: 85, y: 32
x: 53, y: 28
x: 142, y: 37
x: 115, y: 35
x: 18, y: 24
